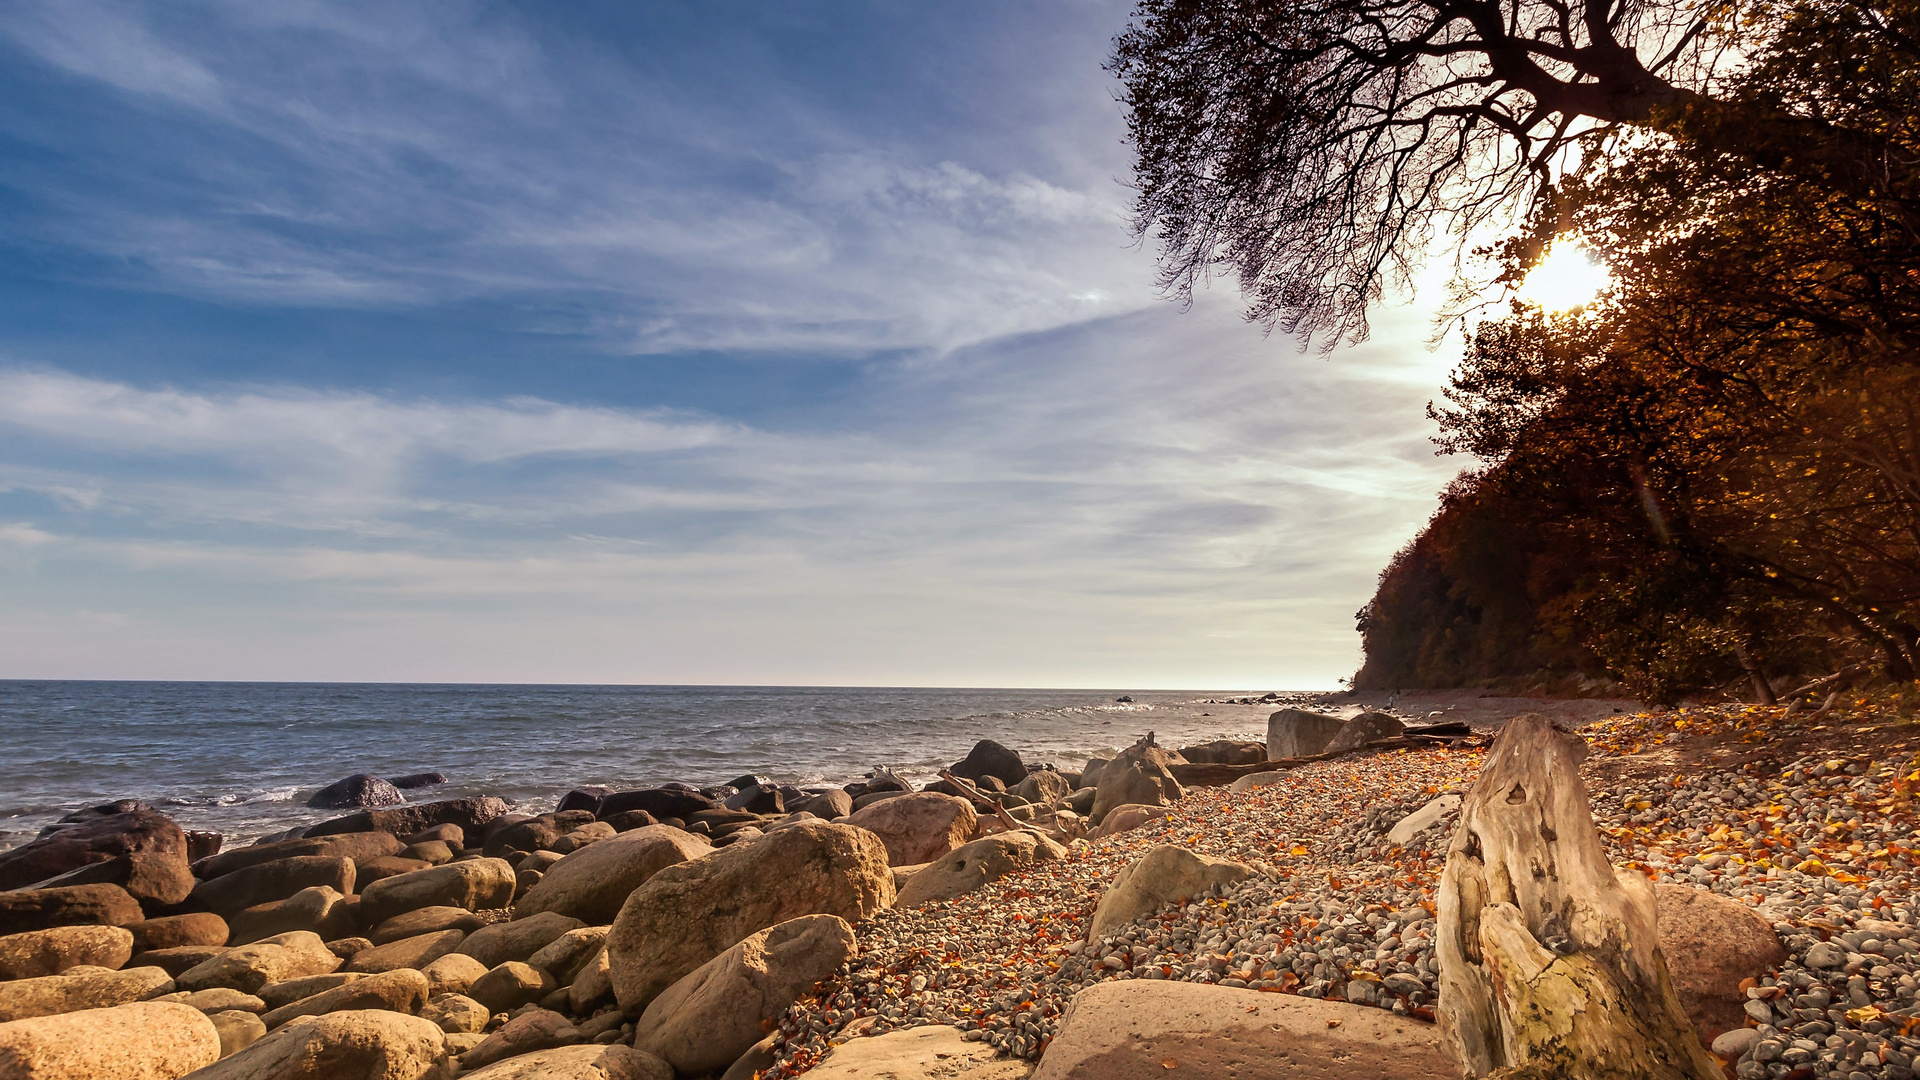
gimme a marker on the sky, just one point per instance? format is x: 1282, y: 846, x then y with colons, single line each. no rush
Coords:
x: 703, y: 342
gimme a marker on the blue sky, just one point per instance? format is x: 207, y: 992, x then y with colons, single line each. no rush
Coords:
x: 698, y: 342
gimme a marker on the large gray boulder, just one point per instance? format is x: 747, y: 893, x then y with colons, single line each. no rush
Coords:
x: 919, y: 827
x: 1140, y: 774
x: 143, y: 1040
x: 1130, y: 1030
x: 360, y: 789
x: 270, y: 960
x: 1298, y: 733
x: 54, y: 950
x: 714, y: 1014
x: 87, y: 988
x: 974, y: 865
x: 590, y: 884
x: 691, y: 912
x: 367, y: 1044
x: 477, y: 885
x: 1168, y: 874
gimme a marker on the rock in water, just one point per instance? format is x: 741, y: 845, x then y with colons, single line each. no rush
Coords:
x: 143, y: 1040
x: 1711, y: 943
x: 715, y: 1013
x: 690, y: 912
x: 1163, y: 876
x: 353, y: 1045
x: 413, y: 781
x: 1362, y: 730
x: 1140, y: 775
x: 360, y: 789
x: 918, y: 828
x: 1298, y: 733
x: 1138, y: 1029
x: 139, y: 850
x: 989, y: 758
x: 973, y: 865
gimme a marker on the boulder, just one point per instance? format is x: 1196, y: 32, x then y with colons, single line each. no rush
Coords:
x: 757, y: 799
x: 690, y: 912
x: 477, y: 885
x: 143, y: 1040
x: 1045, y: 787
x: 87, y: 988
x: 1141, y: 774
x: 457, y: 1014
x: 1423, y: 819
x: 1298, y: 733
x: 174, y: 931
x: 923, y: 1053
x: 431, y: 852
x: 451, y: 835
x: 587, y: 798
x: 518, y: 939
x: 535, y: 833
x: 348, y: 948
x: 590, y: 833
x: 230, y: 894
x: 415, y: 781
x: 388, y: 866
x: 588, y: 1062
x: 140, y: 850
x: 404, y: 990
x: 1132, y: 1030
x: 918, y: 827
x: 714, y: 1014
x: 974, y: 865
x: 1362, y: 730
x: 472, y: 815
x: 1165, y: 875
x: 1126, y: 818
x: 320, y: 909
x: 1225, y: 752
x: 414, y: 952
x: 511, y: 985
x: 237, y: 1030
x: 989, y: 758
x: 353, y: 1045
x: 592, y: 883
x: 631, y: 819
x: 54, y: 950
x: 177, y: 961
x: 536, y: 1029
x: 426, y: 920
x: 592, y: 984
x: 270, y: 960
x: 565, y: 955
x: 827, y: 806
x: 218, y: 999
x: 360, y: 789
x: 274, y: 995
x: 1711, y: 943
x: 359, y: 847
x: 453, y: 973
x: 660, y: 802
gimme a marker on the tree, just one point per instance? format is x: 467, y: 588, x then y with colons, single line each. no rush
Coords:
x: 1315, y: 148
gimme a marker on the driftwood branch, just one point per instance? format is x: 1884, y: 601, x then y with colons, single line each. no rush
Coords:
x: 1212, y: 775
x: 881, y: 772
x: 1826, y: 683
x: 1549, y: 960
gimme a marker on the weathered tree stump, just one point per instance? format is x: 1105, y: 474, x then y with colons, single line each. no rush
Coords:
x: 1549, y: 961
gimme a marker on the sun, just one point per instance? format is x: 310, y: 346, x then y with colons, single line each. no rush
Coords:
x: 1568, y: 278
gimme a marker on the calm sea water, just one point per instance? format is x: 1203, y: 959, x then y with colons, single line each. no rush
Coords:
x: 242, y: 758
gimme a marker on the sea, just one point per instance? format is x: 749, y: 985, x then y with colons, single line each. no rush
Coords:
x: 242, y: 759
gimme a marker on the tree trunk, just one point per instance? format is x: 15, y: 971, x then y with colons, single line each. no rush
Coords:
x: 1549, y: 960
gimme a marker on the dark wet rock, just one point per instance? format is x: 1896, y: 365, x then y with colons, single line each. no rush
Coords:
x: 827, y: 806
x: 536, y: 833
x: 138, y: 849
x: 471, y: 814
x: 360, y: 789
x: 629, y: 820
x: 742, y: 783
x: 587, y: 798
x: 203, y: 845
x: 661, y: 802
x: 95, y: 813
x: 1225, y: 752
x: 989, y: 758
x: 758, y: 799
x: 414, y: 781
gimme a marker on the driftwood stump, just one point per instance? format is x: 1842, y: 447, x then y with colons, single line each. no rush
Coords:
x: 1549, y: 961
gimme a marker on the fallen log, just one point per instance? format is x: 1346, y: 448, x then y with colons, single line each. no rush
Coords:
x: 1209, y: 775
x: 1550, y: 965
